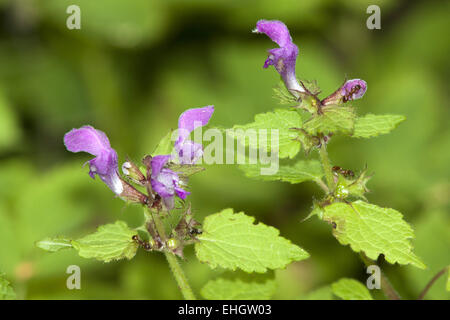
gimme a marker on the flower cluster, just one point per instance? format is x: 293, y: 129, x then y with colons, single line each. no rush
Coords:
x: 284, y: 59
x: 161, y: 182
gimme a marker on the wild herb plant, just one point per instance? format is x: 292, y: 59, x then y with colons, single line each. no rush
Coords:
x: 230, y: 240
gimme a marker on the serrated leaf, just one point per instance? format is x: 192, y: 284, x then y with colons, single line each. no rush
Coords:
x: 237, y: 289
x: 351, y: 289
x: 165, y: 145
x: 373, y: 230
x: 283, y: 121
x: 6, y: 291
x: 232, y: 240
x: 372, y: 125
x: 301, y: 171
x: 110, y: 242
x: 54, y: 244
x: 335, y: 119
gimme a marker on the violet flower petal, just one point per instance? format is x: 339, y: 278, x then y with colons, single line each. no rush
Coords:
x: 283, y: 58
x: 158, y: 162
x: 182, y: 194
x: 105, y: 164
x: 166, y: 182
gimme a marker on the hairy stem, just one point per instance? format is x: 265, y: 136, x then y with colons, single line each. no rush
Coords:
x: 175, y: 267
x: 386, y: 286
x: 432, y: 281
x: 180, y: 277
x: 326, y: 166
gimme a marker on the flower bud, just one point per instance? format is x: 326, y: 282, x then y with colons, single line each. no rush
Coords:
x: 132, y: 171
x: 351, y: 90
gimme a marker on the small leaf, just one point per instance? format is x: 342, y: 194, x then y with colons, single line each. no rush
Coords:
x: 302, y: 170
x: 6, y: 291
x: 110, y: 242
x: 54, y: 244
x: 231, y: 240
x: 165, y: 146
x: 350, y: 289
x: 333, y: 119
x: 237, y: 289
x: 373, y: 125
x: 281, y: 120
x: 373, y: 230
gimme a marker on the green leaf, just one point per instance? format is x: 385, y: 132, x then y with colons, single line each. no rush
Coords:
x: 333, y: 119
x: 54, y: 244
x: 110, y: 242
x: 350, y: 289
x: 372, y: 125
x: 302, y: 170
x: 373, y: 230
x: 237, y: 289
x: 231, y: 240
x: 6, y: 291
x: 282, y: 120
x: 165, y: 146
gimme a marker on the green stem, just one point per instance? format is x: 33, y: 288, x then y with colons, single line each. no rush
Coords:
x: 180, y: 277
x: 386, y: 286
x: 326, y: 166
x: 175, y: 267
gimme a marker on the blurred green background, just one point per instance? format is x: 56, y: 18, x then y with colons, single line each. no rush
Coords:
x: 136, y: 65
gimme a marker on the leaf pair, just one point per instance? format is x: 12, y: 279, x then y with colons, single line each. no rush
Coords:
x: 333, y: 119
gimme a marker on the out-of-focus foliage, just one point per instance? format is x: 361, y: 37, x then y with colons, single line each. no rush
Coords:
x: 136, y: 65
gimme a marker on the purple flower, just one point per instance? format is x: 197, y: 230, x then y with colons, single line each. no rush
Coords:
x: 351, y: 90
x: 283, y: 58
x: 105, y: 164
x: 165, y: 181
x: 188, y: 151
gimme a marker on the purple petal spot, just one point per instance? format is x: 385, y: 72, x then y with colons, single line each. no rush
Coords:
x: 283, y: 58
x: 166, y: 182
x: 188, y: 151
x: 105, y: 164
x: 353, y: 89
